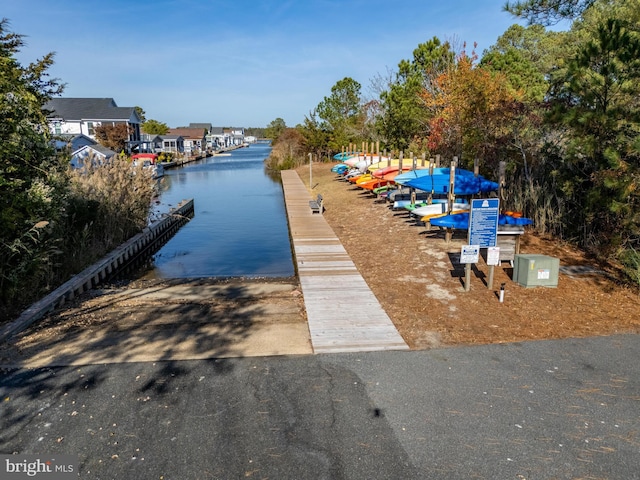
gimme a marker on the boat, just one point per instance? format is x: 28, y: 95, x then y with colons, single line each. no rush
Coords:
x: 389, y: 170
x: 439, y: 208
x: 343, y: 155
x: 363, y: 159
x: 365, y: 177
x: 461, y: 221
x: 374, y: 183
x: 464, y: 184
x: 340, y: 168
x: 150, y: 162
x: 428, y: 218
x: 422, y: 172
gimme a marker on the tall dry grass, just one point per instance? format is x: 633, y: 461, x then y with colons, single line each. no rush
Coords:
x: 109, y: 203
x: 103, y: 206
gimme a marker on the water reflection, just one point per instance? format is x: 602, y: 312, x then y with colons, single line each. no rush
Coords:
x: 239, y: 227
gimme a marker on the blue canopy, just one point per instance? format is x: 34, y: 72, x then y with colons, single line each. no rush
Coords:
x: 465, y: 184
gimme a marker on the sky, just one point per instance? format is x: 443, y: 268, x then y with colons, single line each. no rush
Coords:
x: 240, y: 63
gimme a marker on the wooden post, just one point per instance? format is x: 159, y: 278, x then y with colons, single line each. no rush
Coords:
x: 311, y: 171
x: 438, y: 161
x: 490, y: 280
x: 400, y: 161
x: 430, y: 198
x: 424, y: 159
x: 452, y: 184
x: 467, y: 277
x: 502, y: 179
x: 378, y: 148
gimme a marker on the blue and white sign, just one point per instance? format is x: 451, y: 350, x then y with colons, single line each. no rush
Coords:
x: 483, y: 222
x: 470, y: 254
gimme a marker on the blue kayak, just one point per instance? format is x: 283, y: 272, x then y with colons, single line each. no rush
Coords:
x: 340, y: 168
x: 403, y: 178
x: 464, y: 184
x: 343, y: 155
x: 461, y: 221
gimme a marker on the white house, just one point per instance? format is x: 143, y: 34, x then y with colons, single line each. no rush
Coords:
x: 80, y: 116
x: 172, y: 143
x: 194, y: 139
x: 95, y: 154
x: 150, y: 143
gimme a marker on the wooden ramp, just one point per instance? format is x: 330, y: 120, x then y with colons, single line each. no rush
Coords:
x: 343, y: 313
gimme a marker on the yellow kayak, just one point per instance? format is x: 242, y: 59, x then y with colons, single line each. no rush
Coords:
x: 427, y: 218
x: 367, y: 177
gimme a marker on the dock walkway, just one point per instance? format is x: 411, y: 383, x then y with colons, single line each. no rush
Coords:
x: 342, y: 312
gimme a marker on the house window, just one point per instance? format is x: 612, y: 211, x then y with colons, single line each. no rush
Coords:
x: 90, y: 130
x: 57, y: 129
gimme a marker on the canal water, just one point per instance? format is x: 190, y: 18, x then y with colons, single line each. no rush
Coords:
x: 239, y: 228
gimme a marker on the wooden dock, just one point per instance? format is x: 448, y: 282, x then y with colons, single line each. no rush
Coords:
x: 342, y: 312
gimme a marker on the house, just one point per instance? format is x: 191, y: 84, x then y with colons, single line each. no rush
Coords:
x: 95, y: 154
x: 226, y: 137
x: 172, y: 143
x: 72, y: 142
x: 80, y: 116
x: 194, y: 139
x: 237, y: 136
x: 150, y: 143
x: 217, y: 138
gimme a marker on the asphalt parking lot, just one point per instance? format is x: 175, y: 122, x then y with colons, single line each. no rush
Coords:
x: 546, y: 409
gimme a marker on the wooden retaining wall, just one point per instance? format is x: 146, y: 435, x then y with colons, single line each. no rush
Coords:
x: 92, y: 276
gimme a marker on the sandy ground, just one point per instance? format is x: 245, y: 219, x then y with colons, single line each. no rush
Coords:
x: 148, y: 321
x: 417, y: 278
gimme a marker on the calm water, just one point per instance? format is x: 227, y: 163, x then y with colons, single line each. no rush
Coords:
x: 240, y: 226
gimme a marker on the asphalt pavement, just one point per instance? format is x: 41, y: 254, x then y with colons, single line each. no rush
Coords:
x: 560, y: 409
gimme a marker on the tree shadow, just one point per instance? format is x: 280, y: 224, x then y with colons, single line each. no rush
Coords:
x: 125, y: 329
x: 136, y: 324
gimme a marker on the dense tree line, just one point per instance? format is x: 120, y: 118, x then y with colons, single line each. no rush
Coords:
x: 561, y: 108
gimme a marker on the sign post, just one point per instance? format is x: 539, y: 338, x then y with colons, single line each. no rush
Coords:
x: 483, y: 231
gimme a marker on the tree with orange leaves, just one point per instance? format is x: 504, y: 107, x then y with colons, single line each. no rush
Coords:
x: 472, y: 109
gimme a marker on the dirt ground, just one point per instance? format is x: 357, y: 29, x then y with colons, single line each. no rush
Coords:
x: 416, y: 277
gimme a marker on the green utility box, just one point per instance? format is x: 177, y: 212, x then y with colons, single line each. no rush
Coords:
x: 532, y: 270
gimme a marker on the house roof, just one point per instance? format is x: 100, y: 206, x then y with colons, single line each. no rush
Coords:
x: 89, y: 109
x: 150, y: 137
x: 71, y: 137
x: 188, y: 133
x: 100, y: 149
x: 206, y: 126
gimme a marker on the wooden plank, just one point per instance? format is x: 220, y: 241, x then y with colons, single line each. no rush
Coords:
x: 343, y: 313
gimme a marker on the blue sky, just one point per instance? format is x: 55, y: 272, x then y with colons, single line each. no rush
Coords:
x: 236, y: 62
